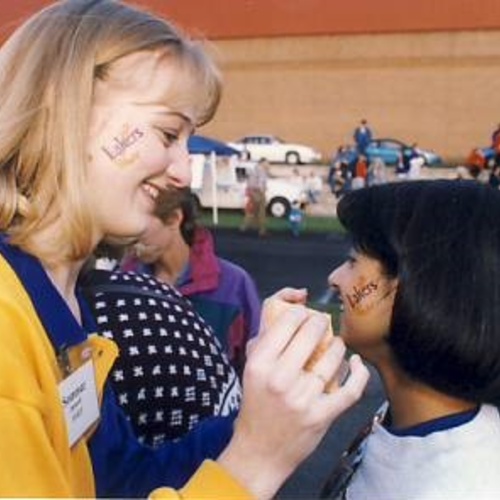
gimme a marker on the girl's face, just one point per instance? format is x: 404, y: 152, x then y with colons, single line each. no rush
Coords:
x: 140, y: 123
x: 367, y: 296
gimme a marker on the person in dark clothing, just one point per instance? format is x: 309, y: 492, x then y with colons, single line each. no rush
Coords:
x: 362, y: 136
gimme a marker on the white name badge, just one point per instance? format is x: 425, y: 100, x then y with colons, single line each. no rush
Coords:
x: 78, y: 394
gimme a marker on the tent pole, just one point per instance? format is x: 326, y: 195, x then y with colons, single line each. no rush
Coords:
x: 213, y: 166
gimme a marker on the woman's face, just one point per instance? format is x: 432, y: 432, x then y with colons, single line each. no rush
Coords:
x: 367, y: 296
x: 140, y: 124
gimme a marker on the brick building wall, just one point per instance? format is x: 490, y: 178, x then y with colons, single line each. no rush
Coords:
x: 308, y: 70
x: 438, y: 89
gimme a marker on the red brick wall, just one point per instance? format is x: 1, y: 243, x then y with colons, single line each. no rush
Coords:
x: 427, y: 71
x: 438, y: 89
x: 255, y: 18
x: 249, y: 18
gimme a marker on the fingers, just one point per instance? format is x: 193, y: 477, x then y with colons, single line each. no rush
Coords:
x: 331, y: 366
x: 299, y: 349
x: 271, y: 342
x: 293, y: 295
x: 275, y: 306
x: 306, y: 340
x: 335, y: 403
x: 318, y: 379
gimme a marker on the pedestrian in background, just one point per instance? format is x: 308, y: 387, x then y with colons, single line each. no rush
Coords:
x: 337, y: 179
x: 297, y: 178
x: 255, y: 216
x: 401, y: 167
x: 296, y: 218
x: 362, y: 136
x: 360, y: 172
x: 314, y: 186
x: 179, y: 251
x: 495, y: 144
x: 377, y: 172
x: 494, y: 177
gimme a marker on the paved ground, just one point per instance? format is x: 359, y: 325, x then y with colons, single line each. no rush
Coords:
x: 280, y: 260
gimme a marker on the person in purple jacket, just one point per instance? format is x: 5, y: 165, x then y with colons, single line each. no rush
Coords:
x: 180, y: 252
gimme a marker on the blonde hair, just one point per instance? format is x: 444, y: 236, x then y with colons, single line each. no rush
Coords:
x: 47, y: 73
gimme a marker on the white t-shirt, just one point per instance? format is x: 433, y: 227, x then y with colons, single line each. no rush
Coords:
x: 458, y: 463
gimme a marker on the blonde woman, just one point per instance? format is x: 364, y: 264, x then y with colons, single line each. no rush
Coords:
x: 98, y: 100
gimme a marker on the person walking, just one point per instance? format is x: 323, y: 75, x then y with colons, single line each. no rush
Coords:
x: 255, y: 215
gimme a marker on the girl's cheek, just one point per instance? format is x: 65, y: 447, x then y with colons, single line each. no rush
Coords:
x: 364, y: 296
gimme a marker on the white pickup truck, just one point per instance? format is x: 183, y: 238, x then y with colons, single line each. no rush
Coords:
x: 226, y: 189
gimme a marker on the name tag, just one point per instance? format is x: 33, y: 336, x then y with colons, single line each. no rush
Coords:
x: 78, y: 394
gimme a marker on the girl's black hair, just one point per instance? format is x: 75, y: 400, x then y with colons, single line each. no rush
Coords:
x: 441, y: 239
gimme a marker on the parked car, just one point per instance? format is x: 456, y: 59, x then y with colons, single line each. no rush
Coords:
x: 389, y: 150
x: 231, y: 183
x: 275, y: 150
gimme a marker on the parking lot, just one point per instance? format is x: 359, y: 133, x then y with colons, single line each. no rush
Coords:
x: 327, y: 202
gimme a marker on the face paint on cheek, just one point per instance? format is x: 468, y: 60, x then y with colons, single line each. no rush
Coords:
x: 365, y: 295
x: 118, y: 149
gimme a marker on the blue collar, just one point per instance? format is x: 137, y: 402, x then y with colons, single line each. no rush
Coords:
x: 438, y: 424
x: 62, y: 327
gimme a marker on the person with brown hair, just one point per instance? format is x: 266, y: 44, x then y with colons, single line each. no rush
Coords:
x: 179, y: 251
x: 255, y: 210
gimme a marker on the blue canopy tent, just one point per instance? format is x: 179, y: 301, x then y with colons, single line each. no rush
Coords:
x: 201, y: 145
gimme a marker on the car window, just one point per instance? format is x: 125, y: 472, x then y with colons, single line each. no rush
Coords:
x: 390, y: 145
x: 241, y: 174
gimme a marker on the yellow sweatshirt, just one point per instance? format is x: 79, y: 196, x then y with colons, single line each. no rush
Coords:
x: 36, y: 459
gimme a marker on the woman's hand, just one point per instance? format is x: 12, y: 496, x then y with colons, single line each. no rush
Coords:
x: 285, y: 411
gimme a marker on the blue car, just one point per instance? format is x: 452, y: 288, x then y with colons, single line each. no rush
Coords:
x: 389, y: 150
